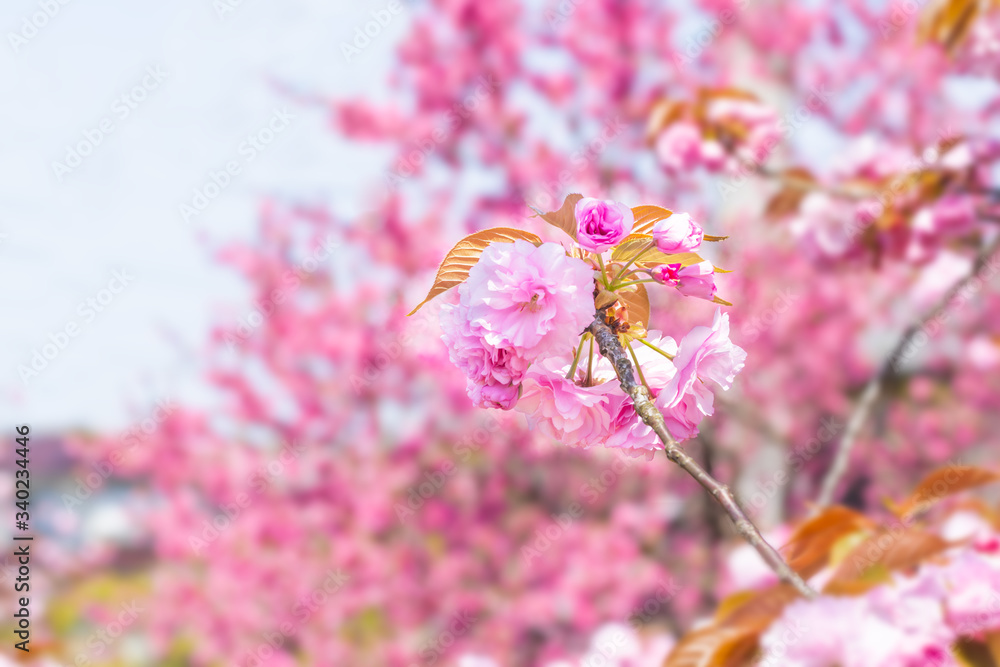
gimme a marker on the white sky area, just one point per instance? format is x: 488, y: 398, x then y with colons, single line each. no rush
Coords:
x: 62, y: 240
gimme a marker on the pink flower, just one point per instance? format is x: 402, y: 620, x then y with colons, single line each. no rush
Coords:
x: 683, y: 418
x: 602, y: 414
x: 677, y: 233
x: 534, y: 301
x: 499, y: 396
x: 971, y: 581
x: 602, y: 224
x: 574, y: 415
x: 698, y: 280
x: 694, y: 280
x: 705, y: 353
x: 885, y: 628
x: 828, y: 227
x: 628, y: 431
x: 493, y: 374
x: 681, y: 148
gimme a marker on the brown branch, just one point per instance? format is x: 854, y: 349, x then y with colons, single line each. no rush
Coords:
x: 613, y: 351
x: 889, y: 367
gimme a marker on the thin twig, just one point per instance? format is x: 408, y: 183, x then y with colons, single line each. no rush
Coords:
x: 889, y: 366
x: 613, y: 351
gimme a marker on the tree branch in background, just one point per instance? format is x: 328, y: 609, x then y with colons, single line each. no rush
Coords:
x: 874, y: 387
x: 612, y: 350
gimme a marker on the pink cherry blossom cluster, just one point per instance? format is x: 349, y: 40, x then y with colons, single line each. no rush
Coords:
x: 521, y: 304
x: 517, y: 331
x: 877, y: 203
x: 726, y: 135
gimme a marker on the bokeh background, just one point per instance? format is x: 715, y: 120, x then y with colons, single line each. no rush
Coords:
x: 215, y: 215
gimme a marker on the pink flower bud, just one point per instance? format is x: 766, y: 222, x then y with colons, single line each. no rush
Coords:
x: 698, y: 280
x: 602, y: 224
x: 694, y: 280
x: 678, y: 233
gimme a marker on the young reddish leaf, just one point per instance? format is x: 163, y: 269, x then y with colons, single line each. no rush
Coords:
x: 796, y: 185
x: 942, y: 483
x: 454, y: 269
x: 732, y: 639
x: 706, y: 95
x: 758, y: 610
x: 709, y: 237
x: 565, y: 217
x: 720, y: 301
x: 663, y: 114
x: 808, y: 549
x: 972, y: 653
x: 948, y: 22
x: 993, y: 642
x: 636, y: 300
x: 647, y: 216
x: 708, y: 647
x: 886, y: 551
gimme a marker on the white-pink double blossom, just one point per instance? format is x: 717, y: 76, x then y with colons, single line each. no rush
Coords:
x: 705, y: 353
x: 533, y: 300
x: 681, y: 148
x: 519, y: 304
x: 493, y: 375
x: 562, y: 408
x: 602, y: 224
x: 582, y: 415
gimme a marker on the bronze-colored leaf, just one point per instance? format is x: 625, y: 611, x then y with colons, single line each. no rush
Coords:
x: 942, y: 483
x: 454, y: 269
x: 708, y: 647
x: 714, y: 239
x: 708, y: 94
x: 886, y: 551
x: 796, y: 184
x: 720, y: 301
x: 993, y: 643
x: 663, y: 114
x: 757, y: 610
x: 972, y: 653
x: 636, y: 300
x: 732, y: 639
x: 808, y: 549
x: 948, y: 22
x: 647, y: 216
x: 565, y: 217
